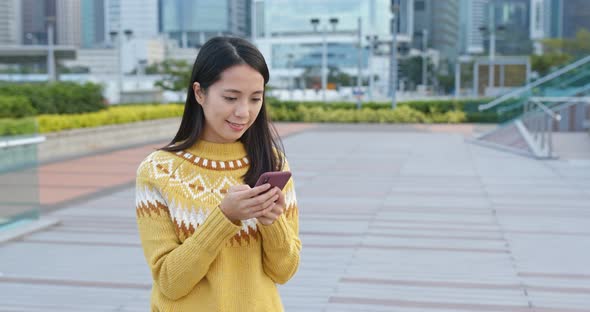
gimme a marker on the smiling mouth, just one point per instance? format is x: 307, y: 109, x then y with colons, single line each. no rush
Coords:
x: 236, y: 126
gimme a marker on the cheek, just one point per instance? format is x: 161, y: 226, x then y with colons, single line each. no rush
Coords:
x: 255, y: 111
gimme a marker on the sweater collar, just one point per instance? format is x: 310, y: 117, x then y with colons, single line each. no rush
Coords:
x: 218, y: 151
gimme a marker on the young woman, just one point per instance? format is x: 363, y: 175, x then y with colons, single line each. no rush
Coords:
x: 214, y: 241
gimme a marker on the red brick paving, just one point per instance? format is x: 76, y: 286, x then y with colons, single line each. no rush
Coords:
x: 67, y: 180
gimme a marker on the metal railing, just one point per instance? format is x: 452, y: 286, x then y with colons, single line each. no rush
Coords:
x: 538, y: 82
x: 539, y: 119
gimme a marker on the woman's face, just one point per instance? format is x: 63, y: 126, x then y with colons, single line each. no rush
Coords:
x: 231, y: 104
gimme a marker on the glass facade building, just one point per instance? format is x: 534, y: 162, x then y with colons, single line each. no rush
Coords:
x: 287, y: 36
x: 192, y: 22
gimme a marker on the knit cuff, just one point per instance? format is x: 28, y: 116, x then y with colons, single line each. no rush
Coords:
x: 215, y: 231
x: 277, y: 234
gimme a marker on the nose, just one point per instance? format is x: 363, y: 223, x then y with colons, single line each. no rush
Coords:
x: 241, y: 110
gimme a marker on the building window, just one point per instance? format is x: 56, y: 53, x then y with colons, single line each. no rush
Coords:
x: 419, y: 6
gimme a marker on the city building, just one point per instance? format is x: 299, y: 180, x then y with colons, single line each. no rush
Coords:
x: 94, y: 31
x: 436, y: 22
x: 68, y: 22
x: 568, y: 17
x: 290, y: 34
x: 192, y: 22
x: 10, y: 22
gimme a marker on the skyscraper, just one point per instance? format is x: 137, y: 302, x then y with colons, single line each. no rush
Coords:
x: 94, y: 32
x: 10, y: 22
x: 192, y: 22
x: 440, y: 20
x: 568, y: 17
x: 35, y: 15
x: 68, y: 22
x: 472, y: 16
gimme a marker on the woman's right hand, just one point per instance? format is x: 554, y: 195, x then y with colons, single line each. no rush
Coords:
x: 242, y: 202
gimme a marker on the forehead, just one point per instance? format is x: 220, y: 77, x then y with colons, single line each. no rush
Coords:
x: 242, y: 77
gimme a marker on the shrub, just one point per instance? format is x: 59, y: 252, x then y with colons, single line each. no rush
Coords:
x: 15, y: 107
x: 112, y: 115
x: 58, y: 97
x: 17, y: 126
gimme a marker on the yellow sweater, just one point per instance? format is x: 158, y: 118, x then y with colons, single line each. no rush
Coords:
x: 199, y: 260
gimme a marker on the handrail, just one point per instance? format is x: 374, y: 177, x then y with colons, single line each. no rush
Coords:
x: 547, y: 110
x: 529, y: 86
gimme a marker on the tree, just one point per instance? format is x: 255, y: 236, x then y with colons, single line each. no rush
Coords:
x: 176, y: 75
x: 577, y: 47
x: 545, y: 63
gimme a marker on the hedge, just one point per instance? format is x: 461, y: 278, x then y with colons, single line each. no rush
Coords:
x: 58, y: 97
x: 406, y: 112
x: 469, y: 107
x: 19, y: 126
x: 15, y: 107
x: 112, y: 115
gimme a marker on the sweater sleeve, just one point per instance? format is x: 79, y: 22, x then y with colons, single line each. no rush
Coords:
x: 176, y: 268
x: 280, y: 241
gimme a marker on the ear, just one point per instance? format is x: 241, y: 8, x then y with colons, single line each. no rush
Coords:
x: 199, y: 93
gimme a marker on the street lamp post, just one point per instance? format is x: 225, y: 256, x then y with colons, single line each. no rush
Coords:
x: 424, y: 56
x: 393, y: 61
x: 360, y: 61
x: 372, y: 39
x: 490, y: 30
x: 290, y: 66
x: 51, y: 74
x: 117, y: 35
x: 324, y: 71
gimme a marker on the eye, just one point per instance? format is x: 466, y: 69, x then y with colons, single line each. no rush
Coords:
x: 257, y: 100
x: 230, y: 99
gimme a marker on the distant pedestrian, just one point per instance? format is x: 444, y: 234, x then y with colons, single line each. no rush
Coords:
x: 213, y: 241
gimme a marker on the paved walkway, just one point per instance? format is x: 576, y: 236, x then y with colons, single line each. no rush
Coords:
x: 392, y: 219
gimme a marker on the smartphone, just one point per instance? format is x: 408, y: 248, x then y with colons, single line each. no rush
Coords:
x: 275, y: 178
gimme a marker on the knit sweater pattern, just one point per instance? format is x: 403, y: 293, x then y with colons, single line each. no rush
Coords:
x: 200, y: 260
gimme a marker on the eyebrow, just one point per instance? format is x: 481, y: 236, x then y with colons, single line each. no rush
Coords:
x: 238, y: 91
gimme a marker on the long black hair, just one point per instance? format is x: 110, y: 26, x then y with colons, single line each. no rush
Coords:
x: 263, y: 145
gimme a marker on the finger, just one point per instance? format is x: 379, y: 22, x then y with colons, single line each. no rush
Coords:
x: 257, y: 202
x: 238, y: 188
x: 264, y: 212
x: 271, y: 201
x: 253, y: 192
x: 281, y: 199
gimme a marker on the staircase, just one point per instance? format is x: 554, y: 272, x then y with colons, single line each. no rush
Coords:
x: 559, y: 101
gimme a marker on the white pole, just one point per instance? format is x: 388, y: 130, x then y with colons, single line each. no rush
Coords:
x: 457, y: 78
x: 360, y: 64
x: 120, y: 65
x: 370, y: 65
x: 324, y: 64
x: 393, y: 62
x: 492, y: 48
x: 50, y: 53
x: 424, y: 57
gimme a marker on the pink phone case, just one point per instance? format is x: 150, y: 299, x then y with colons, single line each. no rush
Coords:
x: 275, y: 178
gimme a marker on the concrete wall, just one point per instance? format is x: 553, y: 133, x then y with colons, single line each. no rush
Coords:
x: 79, y: 142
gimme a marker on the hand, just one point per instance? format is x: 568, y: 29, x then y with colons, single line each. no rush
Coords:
x: 242, y: 202
x: 275, y: 211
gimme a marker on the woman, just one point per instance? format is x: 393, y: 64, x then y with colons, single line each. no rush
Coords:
x: 212, y: 240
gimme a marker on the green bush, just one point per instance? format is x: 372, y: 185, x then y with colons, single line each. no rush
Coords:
x: 402, y: 114
x: 58, y: 97
x: 112, y: 115
x: 15, y: 107
x: 17, y: 126
x: 287, y: 110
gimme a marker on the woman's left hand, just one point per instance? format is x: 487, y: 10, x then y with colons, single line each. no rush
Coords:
x: 276, y: 211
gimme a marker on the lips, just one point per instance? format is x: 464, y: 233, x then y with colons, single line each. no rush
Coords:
x: 236, y: 126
